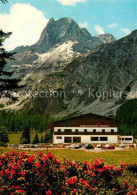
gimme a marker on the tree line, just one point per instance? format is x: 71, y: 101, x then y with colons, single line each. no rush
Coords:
x: 127, y: 115
x: 18, y: 121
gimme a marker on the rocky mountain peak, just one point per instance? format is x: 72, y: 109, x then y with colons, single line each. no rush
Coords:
x: 55, y: 34
x: 56, y: 63
x: 60, y: 31
x: 51, y: 20
x: 103, y: 39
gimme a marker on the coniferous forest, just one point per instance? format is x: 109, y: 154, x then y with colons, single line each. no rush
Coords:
x: 18, y: 121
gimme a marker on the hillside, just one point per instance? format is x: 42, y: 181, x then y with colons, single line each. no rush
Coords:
x: 68, y: 60
x: 112, y: 68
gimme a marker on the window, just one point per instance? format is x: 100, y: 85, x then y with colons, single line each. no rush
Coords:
x: 59, y: 137
x: 76, y: 130
x: 119, y: 138
x: 103, y: 130
x: 94, y: 130
x: 94, y: 139
x: 77, y: 139
x: 85, y: 130
x: 67, y: 140
x: 128, y: 139
x: 59, y: 130
x: 103, y: 138
x: 68, y: 130
x: 122, y: 138
x: 112, y: 130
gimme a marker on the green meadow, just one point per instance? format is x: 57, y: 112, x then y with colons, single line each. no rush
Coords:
x: 15, y: 137
x: 110, y: 157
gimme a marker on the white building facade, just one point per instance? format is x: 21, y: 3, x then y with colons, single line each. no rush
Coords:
x: 83, y: 130
x: 85, y: 135
x: 126, y: 139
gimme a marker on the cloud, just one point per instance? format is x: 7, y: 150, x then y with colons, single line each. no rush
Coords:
x: 99, y: 29
x: 113, y: 25
x: 71, y: 2
x: 26, y: 24
x: 125, y: 30
x: 83, y: 25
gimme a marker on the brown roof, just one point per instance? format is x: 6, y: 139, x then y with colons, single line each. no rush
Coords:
x: 84, y: 120
x: 85, y: 115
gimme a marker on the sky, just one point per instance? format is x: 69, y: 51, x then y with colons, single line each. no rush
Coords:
x: 27, y: 18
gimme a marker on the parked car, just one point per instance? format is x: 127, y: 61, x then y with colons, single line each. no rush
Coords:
x: 122, y: 145
x: 37, y: 146
x: 54, y: 144
x: 131, y: 145
x: 107, y: 145
x: 78, y: 146
x: 99, y: 145
x: 88, y: 146
x: 21, y: 146
x: 26, y: 146
x: 32, y: 146
x: 110, y: 147
x: 15, y: 146
x: 72, y: 146
x: 62, y: 146
x: 103, y: 148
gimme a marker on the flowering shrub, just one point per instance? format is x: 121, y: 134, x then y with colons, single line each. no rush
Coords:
x: 132, y: 168
x: 21, y: 173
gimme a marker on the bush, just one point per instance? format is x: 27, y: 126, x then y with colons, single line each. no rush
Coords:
x: 21, y: 173
x: 132, y: 168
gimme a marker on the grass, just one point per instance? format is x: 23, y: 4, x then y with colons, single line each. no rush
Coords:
x: 4, y: 149
x: 15, y: 137
x: 110, y: 157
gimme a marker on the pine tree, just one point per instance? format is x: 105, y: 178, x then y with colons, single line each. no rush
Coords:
x: 50, y: 136
x: 3, y: 135
x: 42, y: 139
x: 7, y: 81
x: 25, y: 138
x: 46, y: 138
x: 36, y: 139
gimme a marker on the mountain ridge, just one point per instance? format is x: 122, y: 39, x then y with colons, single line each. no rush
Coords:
x: 112, y: 67
x: 70, y: 64
x: 63, y: 30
